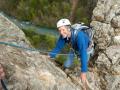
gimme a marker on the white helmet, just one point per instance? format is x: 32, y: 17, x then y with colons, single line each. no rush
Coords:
x: 63, y: 22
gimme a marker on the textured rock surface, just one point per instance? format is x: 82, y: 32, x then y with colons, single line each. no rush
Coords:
x: 28, y: 70
x: 106, y: 22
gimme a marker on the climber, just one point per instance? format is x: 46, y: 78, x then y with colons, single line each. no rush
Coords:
x: 79, y: 45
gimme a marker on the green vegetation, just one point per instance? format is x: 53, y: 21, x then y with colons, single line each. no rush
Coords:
x: 46, y: 42
x: 62, y: 59
x: 47, y: 12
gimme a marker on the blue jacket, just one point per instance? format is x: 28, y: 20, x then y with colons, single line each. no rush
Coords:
x: 81, y: 44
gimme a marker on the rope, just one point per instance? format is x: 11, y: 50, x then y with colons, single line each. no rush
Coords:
x: 30, y: 49
x: 11, y: 35
x: 21, y: 47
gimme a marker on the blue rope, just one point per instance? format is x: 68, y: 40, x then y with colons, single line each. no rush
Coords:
x: 30, y: 49
x: 18, y: 46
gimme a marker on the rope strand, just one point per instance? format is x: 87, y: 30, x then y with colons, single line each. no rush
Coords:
x: 30, y: 49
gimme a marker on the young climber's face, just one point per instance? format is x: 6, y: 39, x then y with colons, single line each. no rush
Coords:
x: 63, y: 31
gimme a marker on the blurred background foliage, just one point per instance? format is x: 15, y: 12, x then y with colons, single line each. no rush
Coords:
x: 47, y: 42
x: 47, y: 12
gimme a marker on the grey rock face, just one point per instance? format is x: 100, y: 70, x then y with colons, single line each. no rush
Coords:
x: 28, y: 70
x: 108, y: 67
x: 113, y: 82
x: 109, y: 59
x: 106, y: 22
x: 103, y: 34
x: 116, y: 22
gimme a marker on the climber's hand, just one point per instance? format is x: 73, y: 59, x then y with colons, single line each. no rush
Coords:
x: 83, y: 77
x: 48, y: 56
